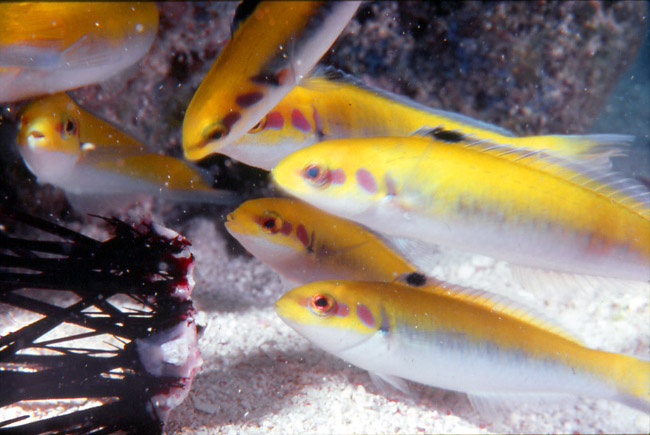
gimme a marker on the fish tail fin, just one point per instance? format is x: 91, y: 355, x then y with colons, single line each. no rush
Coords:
x: 632, y: 376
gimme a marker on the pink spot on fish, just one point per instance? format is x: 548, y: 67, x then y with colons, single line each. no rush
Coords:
x: 286, y: 228
x: 366, y: 180
x: 365, y: 315
x: 299, y: 121
x: 342, y: 310
x: 274, y: 120
x: 337, y: 176
x: 247, y: 100
x: 284, y: 76
x: 302, y: 235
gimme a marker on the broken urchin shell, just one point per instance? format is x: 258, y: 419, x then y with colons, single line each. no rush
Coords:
x: 94, y: 336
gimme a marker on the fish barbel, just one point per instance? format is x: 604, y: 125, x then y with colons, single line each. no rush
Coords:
x: 274, y: 45
x: 517, y: 205
x: 48, y: 47
x: 304, y: 244
x: 63, y: 144
x: 332, y: 105
x: 459, y: 339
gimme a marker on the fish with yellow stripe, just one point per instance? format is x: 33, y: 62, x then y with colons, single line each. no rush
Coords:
x: 462, y: 340
x: 517, y: 205
x: 303, y: 244
x: 273, y: 46
x: 331, y: 105
x: 48, y: 47
x: 69, y: 147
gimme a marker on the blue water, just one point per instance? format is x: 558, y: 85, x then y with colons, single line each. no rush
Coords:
x: 628, y: 111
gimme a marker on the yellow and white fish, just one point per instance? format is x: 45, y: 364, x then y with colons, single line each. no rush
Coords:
x: 303, y: 244
x: 462, y: 340
x: 517, y: 205
x: 274, y: 45
x: 48, y: 47
x: 331, y: 105
x: 65, y: 145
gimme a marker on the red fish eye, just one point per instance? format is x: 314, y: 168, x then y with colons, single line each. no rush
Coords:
x: 322, y: 305
x: 271, y: 224
x: 259, y: 126
x: 316, y: 175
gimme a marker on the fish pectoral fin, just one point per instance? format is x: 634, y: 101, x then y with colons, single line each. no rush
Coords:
x: 424, y: 256
x: 387, y: 384
x: 86, y: 53
x: 490, y: 405
x: 25, y: 56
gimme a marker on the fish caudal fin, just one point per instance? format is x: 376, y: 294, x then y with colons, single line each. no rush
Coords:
x: 633, y: 377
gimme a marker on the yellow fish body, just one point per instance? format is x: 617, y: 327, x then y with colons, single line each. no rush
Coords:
x: 48, y: 47
x: 303, y: 244
x: 67, y: 146
x: 521, y: 206
x: 272, y: 48
x: 331, y: 105
x: 459, y: 339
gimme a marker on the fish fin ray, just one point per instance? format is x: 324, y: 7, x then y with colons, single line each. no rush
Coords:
x: 510, y: 307
x: 387, y: 383
x: 628, y: 192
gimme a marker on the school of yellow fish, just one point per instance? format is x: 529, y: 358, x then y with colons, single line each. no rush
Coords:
x: 368, y: 173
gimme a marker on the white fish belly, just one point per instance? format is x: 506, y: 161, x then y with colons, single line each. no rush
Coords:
x: 450, y: 361
x: 526, y: 243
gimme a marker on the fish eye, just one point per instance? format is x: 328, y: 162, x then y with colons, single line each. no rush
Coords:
x: 69, y: 128
x: 322, y: 305
x: 271, y: 224
x: 318, y: 176
x: 217, y: 132
x: 259, y: 126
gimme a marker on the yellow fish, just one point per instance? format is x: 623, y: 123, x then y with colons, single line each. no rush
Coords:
x: 332, y: 105
x: 48, y: 47
x: 303, y: 244
x: 459, y: 339
x: 65, y: 145
x: 521, y: 206
x: 273, y: 46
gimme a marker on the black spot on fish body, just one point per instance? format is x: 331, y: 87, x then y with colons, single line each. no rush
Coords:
x: 243, y: 11
x: 447, y: 135
x: 416, y: 279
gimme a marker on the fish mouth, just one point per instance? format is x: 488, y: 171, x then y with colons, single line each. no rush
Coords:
x: 232, y: 225
x: 196, y: 152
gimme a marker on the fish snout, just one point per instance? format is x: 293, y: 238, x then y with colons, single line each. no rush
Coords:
x: 34, y: 138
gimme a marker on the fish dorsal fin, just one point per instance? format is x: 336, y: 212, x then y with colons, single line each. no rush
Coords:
x: 626, y: 192
x: 324, y: 78
x: 595, y: 150
x: 243, y: 11
x: 490, y: 301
